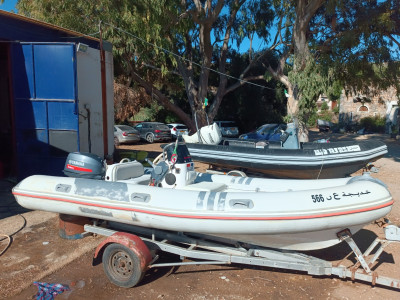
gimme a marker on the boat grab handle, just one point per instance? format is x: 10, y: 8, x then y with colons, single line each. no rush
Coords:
x: 241, y: 203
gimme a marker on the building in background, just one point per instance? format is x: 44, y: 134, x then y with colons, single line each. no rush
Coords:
x: 354, y: 107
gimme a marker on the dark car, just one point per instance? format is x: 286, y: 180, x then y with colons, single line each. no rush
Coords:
x: 124, y: 134
x: 269, y: 132
x: 154, y: 131
x: 228, y: 128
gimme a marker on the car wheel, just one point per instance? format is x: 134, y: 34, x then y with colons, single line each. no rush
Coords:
x: 116, y: 141
x: 150, y: 138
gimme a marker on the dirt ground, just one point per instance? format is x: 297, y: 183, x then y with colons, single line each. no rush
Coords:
x: 37, y: 253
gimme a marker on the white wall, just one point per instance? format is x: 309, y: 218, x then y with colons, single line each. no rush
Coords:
x: 90, y: 97
x: 110, y: 100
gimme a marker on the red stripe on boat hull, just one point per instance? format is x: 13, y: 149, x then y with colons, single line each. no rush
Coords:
x: 211, y: 217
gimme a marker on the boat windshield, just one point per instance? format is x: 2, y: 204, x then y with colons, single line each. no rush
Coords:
x: 267, y: 129
x: 182, y: 153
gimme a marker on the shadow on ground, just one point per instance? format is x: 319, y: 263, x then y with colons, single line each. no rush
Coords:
x: 8, y: 206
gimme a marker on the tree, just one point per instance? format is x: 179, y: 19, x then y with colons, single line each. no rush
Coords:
x: 321, y: 45
x: 331, y: 43
x: 147, y: 35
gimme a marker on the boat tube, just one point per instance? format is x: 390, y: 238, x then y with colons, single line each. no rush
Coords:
x: 288, y: 158
x: 286, y: 214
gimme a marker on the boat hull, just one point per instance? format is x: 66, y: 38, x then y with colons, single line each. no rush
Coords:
x: 313, y: 161
x: 282, y: 219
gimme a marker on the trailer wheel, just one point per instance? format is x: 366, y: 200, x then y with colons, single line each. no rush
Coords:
x: 122, y: 265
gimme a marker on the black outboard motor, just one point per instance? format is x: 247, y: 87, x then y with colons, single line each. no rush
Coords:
x: 84, y: 165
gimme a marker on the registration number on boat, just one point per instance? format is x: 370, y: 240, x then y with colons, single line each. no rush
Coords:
x: 317, y: 198
x: 337, y: 150
x: 337, y: 196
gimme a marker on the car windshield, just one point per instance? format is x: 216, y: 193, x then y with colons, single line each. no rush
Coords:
x: 181, y: 127
x: 266, y: 129
x: 125, y: 128
x: 162, y: 127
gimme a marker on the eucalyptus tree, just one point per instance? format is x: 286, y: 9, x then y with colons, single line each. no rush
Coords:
x: 170, y: 44
x: 326, y: 45
x: 160, y: 44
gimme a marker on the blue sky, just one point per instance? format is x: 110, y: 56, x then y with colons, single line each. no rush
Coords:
x: 8, y: 5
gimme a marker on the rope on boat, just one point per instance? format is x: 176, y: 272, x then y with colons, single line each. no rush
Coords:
x: 322, y: 165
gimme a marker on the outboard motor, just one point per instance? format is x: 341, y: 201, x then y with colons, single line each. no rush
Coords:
x: 84, y: 165
x: 176, y: 170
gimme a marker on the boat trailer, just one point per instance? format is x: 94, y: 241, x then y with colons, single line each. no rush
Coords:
x: 134, y: 250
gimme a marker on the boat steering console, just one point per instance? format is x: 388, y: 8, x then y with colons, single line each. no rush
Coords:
x: 173, y: 167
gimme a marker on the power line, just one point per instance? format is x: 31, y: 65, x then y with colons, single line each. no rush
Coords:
x: 185, y: 59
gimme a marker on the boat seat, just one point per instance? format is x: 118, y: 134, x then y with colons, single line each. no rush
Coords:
x: 274, y: 145
x: 205, y: 186
x: 124, y: 171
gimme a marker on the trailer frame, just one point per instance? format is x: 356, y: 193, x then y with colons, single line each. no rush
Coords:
x: 215, y: 250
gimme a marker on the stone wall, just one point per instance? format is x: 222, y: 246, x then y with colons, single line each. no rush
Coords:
x: 381, y: 104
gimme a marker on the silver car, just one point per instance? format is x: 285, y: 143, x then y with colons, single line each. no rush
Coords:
x: 177, y: 129
x: 124, y: 134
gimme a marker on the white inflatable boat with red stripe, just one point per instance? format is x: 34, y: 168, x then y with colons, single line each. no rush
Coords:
x: 277, y: 213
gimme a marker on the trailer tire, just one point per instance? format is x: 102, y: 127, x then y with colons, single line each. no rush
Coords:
x: 122, y: 265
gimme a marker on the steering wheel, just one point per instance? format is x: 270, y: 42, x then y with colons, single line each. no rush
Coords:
x: 159, y: 158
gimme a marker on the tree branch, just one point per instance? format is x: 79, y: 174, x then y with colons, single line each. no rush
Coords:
x: 242, y: 82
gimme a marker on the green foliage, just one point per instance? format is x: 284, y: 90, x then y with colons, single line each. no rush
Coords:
x: 373, y: 124
x: 312, y: 119
x: 324, y: 106
x: 337, y: 108
x: 347, y: 43
x: 287, y: 119
x: 326, y: 115
x: 354, y: 39
x: 309, y: 84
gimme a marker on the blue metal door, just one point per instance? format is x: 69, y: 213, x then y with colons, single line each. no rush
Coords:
x: 45, y: 106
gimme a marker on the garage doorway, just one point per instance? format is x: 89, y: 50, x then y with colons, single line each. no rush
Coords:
x: 7, y: 144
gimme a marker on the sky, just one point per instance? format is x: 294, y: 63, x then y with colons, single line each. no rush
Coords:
x: 8, y: 5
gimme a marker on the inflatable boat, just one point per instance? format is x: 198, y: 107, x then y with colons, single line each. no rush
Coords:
x: 286, y: 214
x: 288, y: 158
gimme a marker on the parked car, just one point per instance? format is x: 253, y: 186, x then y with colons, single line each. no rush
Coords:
x: 269, y: 132
x: 228, y: 128
x: 124, y: 134
x: 324, y: 125
x: 177, y: 129
x: 154, y: 131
